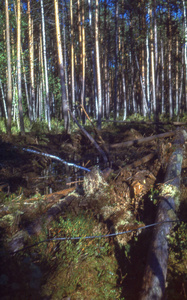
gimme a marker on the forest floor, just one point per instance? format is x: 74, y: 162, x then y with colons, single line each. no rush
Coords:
x: 41, y: 198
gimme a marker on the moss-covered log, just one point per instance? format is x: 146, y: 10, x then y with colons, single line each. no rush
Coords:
x: 156, y: 269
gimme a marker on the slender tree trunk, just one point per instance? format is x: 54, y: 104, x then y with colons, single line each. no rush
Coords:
x: 4, y: 102
x: 65, y: 51
x: 185, y: 50
x: 19, y: 66
x: 116, y: 62
x: 72, y: 59
x: 83, y: 59
x: 9, y: 71
x: 43, y: 104
x: 177, y: 77
x: 152, y: 62
x: 93, y: 59
x: 45, y: 66
x: 31, y: 60
x: 106, y: 77
x: 148, y: 68
x: 61, y: 68
x: 169, y: 65
x: 162, y: 68
x: 99, y: 91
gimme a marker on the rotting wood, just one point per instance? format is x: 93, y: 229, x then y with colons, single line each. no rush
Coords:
x: 139, y: 162
x: 53, y: 196
x: 154, y: 279
x: 90, y: 138
x: 142, y: 140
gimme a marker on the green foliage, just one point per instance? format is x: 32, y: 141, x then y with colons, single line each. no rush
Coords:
x: 177, y: 275
x: 86, y: 269
x: 2, y: 126
x: 153, y: 195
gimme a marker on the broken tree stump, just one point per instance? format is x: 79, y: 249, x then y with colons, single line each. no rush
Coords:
x: 156, y: 269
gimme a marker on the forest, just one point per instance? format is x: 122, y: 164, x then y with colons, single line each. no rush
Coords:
x: 93, y: 156
x: 115, y: 58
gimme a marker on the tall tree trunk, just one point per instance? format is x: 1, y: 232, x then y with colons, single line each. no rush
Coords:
x: 72, y: 59
x: 162, y: 74
x: 64, y: 53
x: 148, y: 68
x: 185, y: 50
x: 31, y: 60
x: 61, y: 68
x: 99, y: 91
x: 116, y: 109
x: 93, y: 59
x: 177, y: 77
x: 9, y: 71
x: 45, y: 66
x: 83, y: 58
x: 152, y: 60
x: 169, y: 64
x: 19, y: 66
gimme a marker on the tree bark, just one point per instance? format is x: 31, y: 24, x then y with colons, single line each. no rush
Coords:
x: 9, y: 71
x: 142, y: 140
x: 156, y: 269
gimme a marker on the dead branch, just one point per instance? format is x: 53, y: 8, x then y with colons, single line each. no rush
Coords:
x: 156, y: 269
x: 90, y: 138
x: 95, y: 130
x: 139, y: 162
x: 142, y: 140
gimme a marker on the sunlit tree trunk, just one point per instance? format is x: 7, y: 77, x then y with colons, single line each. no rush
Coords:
x: 9, y: 71
x: 116, y: 62
x: 99, y: 91
x: 144, y: 102
x: 31, y: 59
x: 93, y: 59
x: 72, y: 59
x: 148, y: 68
x: 162, y: 75
x: 19, y: 66
x: 123, y: 64
x: 152, y: 61
x: 169, y: 64
x: 61, y: 68
x: 45, y: 66
x: 106, y: 76
x: 4, y: 102
x: 80, y: 48
x: 42, y: 97
x: 177, y: 77
x: 83, y: 58
x: 64, y: 52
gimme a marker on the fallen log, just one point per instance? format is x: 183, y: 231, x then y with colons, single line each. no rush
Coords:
x: 156, y: 268
x: 142, y: 140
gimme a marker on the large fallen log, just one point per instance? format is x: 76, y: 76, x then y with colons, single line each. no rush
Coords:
x: 156, y: 268
x: 142, y: 140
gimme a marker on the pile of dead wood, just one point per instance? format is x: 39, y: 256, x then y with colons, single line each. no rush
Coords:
x: 156, y: 269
